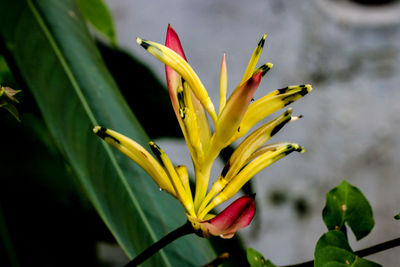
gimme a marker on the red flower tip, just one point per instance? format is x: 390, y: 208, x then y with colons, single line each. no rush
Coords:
x: 172, y: 41
x: 236, y: 216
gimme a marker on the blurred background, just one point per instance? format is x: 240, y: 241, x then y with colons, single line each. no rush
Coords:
x: 349, y: 52
x: 347, y: 49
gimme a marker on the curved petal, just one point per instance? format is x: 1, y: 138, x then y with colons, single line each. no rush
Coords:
x: 173, y: 78
x: 241, y: 155
x: 253, y: 60
x: 223, y: 85
x: 233, y: 112
x: 174, y: 82
x: 176, y: 62
x: 139, y: 155
x: 236, y: 216
x: 270, y: 103
x: 174, y: 177
x: 265, y: 157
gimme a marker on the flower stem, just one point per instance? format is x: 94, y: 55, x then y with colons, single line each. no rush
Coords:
x: 150, y: 251
x: 361, y: 253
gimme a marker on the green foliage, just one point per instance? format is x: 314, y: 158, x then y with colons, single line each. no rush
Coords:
x: 346, y: 204
x: 74, y: 92
x: 7, y: 100
x: 333, y: 249
x: 5, y: 75
x: 397, y: 217
x: 97, y: 13
x: 256, y: 259
x: 7, y: 94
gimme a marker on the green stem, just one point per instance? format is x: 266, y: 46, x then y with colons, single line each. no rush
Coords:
x: 361, y: 253
x: 150, y: 251
x: 202, y: 176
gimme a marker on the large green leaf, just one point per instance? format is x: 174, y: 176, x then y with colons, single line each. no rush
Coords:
x: 346, y: 204
x: 97, y: 13
x: 51, y: 47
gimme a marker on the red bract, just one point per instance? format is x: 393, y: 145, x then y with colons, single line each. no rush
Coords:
x: 236, y: 216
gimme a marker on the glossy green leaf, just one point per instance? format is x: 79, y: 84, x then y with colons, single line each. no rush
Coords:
x: 346, y: 204
x: 97, y: 13
x: 333, y: 249
x: 52, y: 48
x: 397, y: 217
x: 256, y: 259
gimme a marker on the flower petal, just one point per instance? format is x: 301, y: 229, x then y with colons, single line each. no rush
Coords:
x: 232, y: 114
x: 270, y: 103
x: 242, y: 153
x: 223, y: 85
x: 269, y: 156
x: 175, y: 81
x: 173, y: 78
x: 174, y: 177
x: 253, y: 60
x: 138, y: 154
x: 176, y: 62
x: 236, y: 216
x: 253, y: 142
x: 183, y: 174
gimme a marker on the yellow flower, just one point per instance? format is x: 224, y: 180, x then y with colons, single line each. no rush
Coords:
x: 236, y: 116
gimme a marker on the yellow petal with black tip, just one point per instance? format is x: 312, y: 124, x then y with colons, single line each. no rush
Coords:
x: 253, y: 60
x: 176, y: 62
x: 253, y: 142
x: 173, y: 176
x: 270, y: 103
x: 265, y: 159
x: 264, y: 68
x: 244, y: 151
x: 139, y: 155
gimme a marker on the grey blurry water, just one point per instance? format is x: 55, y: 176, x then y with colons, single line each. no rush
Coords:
x: 349, y: 53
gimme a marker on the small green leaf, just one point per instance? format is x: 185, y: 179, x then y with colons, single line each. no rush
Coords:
x: 98, y: 14
x: 346, y: 203
x: 397, y: 217
x: 333, y: 249
x: 256, y: 259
